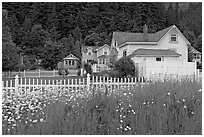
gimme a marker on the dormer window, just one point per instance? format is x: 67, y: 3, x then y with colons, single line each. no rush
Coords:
x: 173, y: 38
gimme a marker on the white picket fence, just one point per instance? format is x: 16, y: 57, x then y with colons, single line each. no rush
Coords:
x: 29, y: 83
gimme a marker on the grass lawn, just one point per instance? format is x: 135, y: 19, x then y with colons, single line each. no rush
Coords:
x: 170, y: 108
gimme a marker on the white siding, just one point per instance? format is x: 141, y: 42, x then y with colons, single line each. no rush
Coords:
x: 102, y: 50
x: 181, y: 47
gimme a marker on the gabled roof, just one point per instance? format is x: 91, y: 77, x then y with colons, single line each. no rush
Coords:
x: 154, y: 52
x: 71, y: 56
x: 105, y: 45
x: 84, y: 48
x: 193, y: 50
x: 123, y: 37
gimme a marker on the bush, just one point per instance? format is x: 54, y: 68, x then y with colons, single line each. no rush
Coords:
x: 125, y: 66
x: 79, y: 72
x: 114, y: 74
x: 88, y: 68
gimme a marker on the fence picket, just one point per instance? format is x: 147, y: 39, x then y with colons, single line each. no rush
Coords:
x: 79, y: 83
x: 37, y: 83
x: 76, y: 84
x: 11, y: 84
x: 60, y: 84
x: 68, y: 83
x: 97, y: 79
x: 128, y: 82
x: 25, y: 84
x: 29, y: 84
x: 72, y: 82
x: 49, y: 82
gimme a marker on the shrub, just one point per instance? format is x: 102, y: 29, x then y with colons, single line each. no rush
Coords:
x: 79, y: 72
x: 114, y: 74
x: 125, y: 66
x: 88, y: 68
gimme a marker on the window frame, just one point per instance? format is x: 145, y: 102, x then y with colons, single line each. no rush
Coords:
x: 104, y: 61
x: 124, y: 52
x: 73, y: 62
x: 70, y: 62
x: 158, y: 58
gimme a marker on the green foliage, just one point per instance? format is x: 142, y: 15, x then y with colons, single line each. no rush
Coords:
x: 125, y: 66
x: 10, y: 56
x: 88, y: 68
x: 33, y: 25
x: 114, y: 74
x: 190, y: 36
x: 198, y: 43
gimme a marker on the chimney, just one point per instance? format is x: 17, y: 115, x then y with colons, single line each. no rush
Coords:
x: 145, y: 33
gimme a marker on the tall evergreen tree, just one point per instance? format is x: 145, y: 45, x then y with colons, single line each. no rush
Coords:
x: 177, y: 14
x: 10, y: 57
x: 170, y: 15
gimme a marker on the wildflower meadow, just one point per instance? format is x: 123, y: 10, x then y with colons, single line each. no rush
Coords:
x: 157, y: 108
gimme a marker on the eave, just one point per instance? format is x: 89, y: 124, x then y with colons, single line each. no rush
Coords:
x: 138, y: 43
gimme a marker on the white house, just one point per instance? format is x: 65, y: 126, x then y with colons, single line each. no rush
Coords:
x: 163, y: 52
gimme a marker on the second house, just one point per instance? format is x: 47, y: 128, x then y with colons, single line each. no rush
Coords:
x: 97, y: 56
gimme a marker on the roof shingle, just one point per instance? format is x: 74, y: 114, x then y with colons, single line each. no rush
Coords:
x: 122, y: 37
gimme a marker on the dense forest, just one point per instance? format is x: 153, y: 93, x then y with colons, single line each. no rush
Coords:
x: 39, y: 35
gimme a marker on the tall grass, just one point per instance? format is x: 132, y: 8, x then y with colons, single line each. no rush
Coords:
x: 158, y: 108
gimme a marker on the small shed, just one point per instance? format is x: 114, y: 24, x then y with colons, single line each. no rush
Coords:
x: 70, y: 62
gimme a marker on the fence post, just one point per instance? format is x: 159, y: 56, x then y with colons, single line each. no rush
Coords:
x: 16, y: 84
x: 88, y: 81
x: 195, y: 65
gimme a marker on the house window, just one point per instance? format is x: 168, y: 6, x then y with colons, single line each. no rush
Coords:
x: 105, y: 52
x: 158, y: 59
x: 90, y: 61
x: 66, y: 62
x: 125, y: 52
x: 89, y: 53
x: 104, y: 61
x: 70, y: 62
x: 73, y: 62
x: 173, y: 38
x: 99, y: 61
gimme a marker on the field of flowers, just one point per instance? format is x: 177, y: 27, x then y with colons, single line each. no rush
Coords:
x: 158, y: 108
